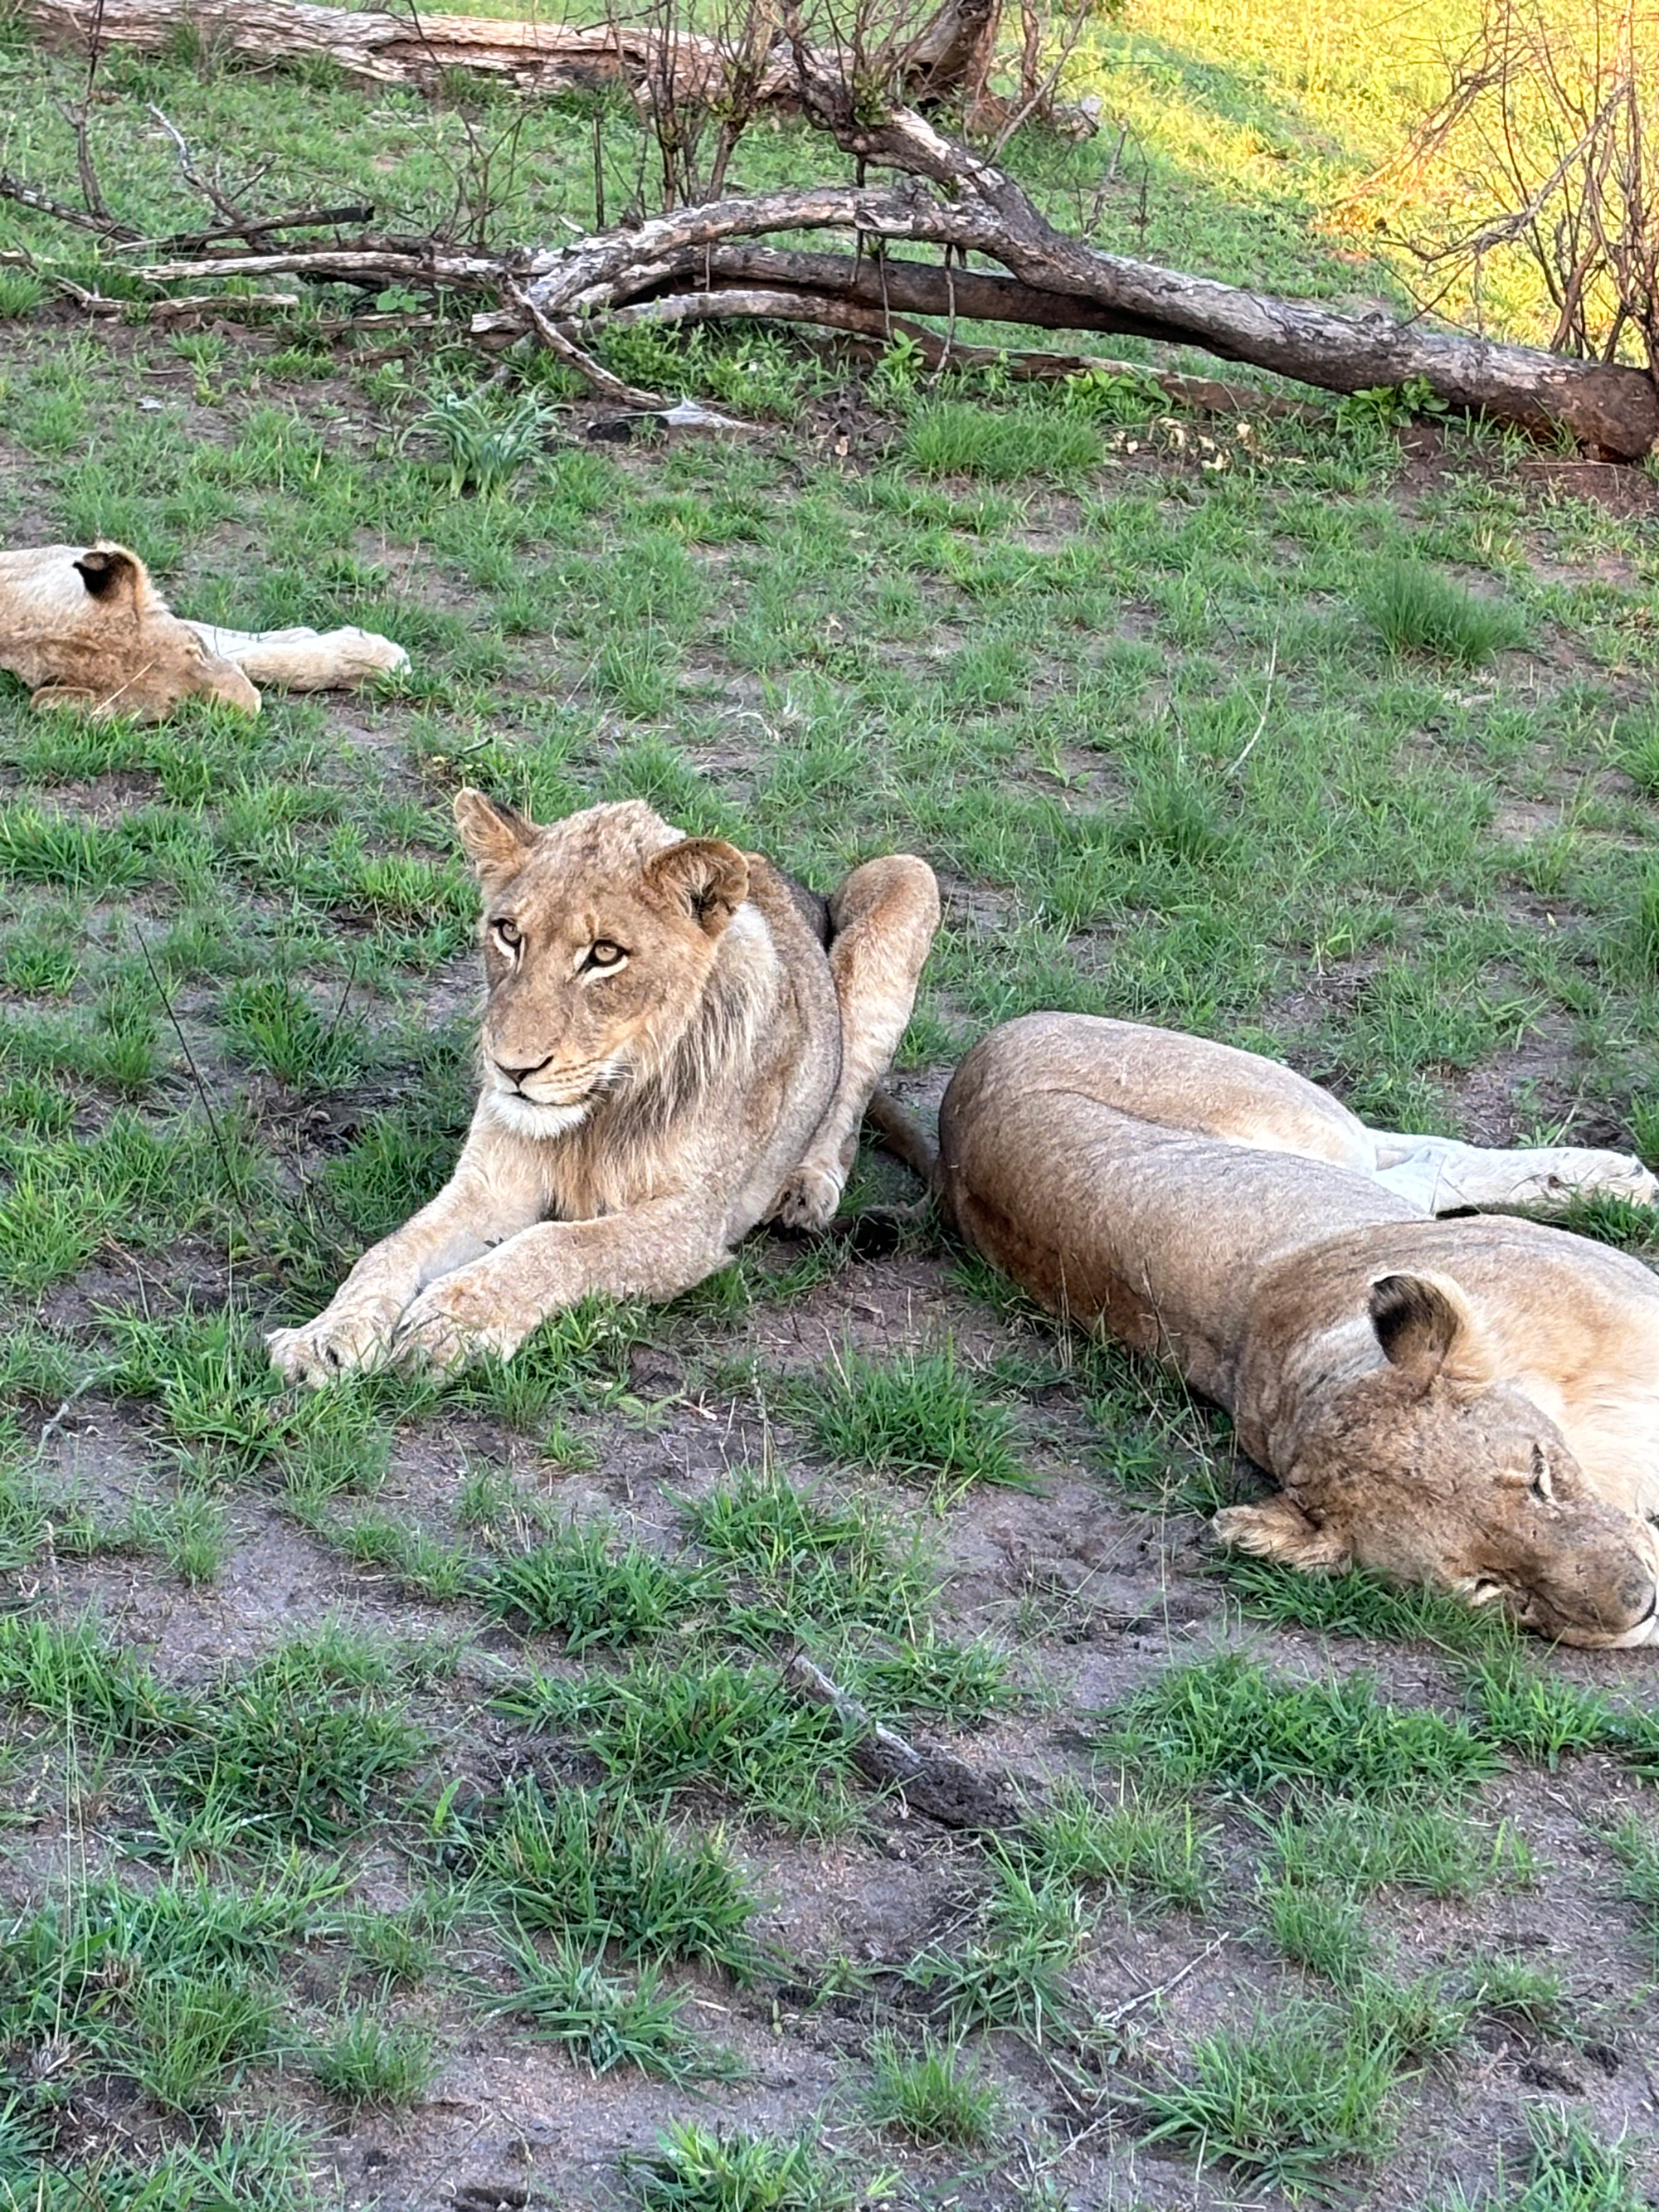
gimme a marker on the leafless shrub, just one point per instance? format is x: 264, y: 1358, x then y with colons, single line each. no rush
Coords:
x: 1546, y: 144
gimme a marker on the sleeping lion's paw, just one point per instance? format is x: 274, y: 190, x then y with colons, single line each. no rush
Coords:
x: 810, y: 1197
x: 343, y: 1340
x: 455, y: 1321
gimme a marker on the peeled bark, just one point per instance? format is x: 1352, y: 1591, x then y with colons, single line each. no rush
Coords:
x: 532, y: 57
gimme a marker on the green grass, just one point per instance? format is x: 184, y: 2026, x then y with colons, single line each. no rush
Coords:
x: 364, y: 2059
x: 303, y: 1745
x: 1278, y: 738
x: 1281, y: 2098
x: 591, y: 1593
x: 1226, y: 1725
x: 1012, y: 1973
x: 945, y: 438
x: 569, y: 2000
x: 596, y: 1870
x: 1152, y: 1850
x: 921, y: 1417
x: 805, y: 1556
x: 668, y: 1724
x: 699, y: 2169
x: 931, y: 2095
x: 1414, y: 610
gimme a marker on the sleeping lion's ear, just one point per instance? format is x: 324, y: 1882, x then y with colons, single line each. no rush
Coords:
x: 1277, y: 1529
x: 110, y: 573
x: 1427, y: 1329
x: 495, y: 838
x: 707, y: 876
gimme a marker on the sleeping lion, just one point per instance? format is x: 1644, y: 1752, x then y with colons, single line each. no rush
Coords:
x: 1472, y: 1403
x: 679, y: 1043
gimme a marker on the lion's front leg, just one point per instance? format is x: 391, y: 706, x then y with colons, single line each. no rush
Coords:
x: 884, y: 917
x: 487, y: 1200
x: 493, y: 1303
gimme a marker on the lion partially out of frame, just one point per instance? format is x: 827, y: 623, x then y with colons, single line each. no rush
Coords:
x: 85, y: 628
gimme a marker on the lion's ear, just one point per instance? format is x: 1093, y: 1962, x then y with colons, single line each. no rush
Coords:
x: 111, y: 573
x: 1427, y: 1329
x: 707, y: 876
x: 1277, y: 1529
x: 496, y: 839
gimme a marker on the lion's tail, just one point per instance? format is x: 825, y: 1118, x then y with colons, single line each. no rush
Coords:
x: 906, y: 1138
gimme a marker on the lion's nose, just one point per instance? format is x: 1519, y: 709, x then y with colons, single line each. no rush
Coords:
x: 516, y: 1075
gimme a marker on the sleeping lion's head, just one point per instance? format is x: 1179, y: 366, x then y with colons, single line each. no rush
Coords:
x: 600, y: 935
x: 1431, y: 1468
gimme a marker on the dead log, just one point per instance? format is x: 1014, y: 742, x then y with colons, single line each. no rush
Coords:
x: 387, y: 49
x: 534, y: 58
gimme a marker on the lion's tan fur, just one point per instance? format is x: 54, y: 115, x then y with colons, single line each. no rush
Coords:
x: 86, y: 628
x: 635, y: 1117
x: 1472, y: 1402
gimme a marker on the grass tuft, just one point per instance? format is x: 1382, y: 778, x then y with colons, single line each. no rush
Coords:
x: 921, y: 1417
x: 1414, y: 609
x: 1224, y: 1724
x: 569, y: 1999
x: 931, y: 2094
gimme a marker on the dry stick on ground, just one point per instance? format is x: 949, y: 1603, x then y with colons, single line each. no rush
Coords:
x: 930, y: 1783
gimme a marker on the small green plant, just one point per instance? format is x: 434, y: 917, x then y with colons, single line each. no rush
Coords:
x: 698, y: 2169
x: 298, y: 1745
x: 598, y: 1870
x: 662, y: 1726
x: 1389, y: 406
x: 1637, y: 1850
x: 592, y: 1593
x: 1225, y: 1724
x: 1518, y: 1990
x: 483, y: 440
x: 809, y: 1556
x: 1318, y: 1929
x: 1284, y: 2097
x: 1144, y: 1848
x: 1011, y: 1974
x: 930, y: 2094
x: 569, y: 1999
x: 952, y: 437
x: 275, y: 1026
x: 366, y: 2059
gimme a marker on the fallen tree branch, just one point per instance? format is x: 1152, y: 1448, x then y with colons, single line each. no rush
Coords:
x: 930, y: 1783
x: 593, y: 373
x: 946, y: 195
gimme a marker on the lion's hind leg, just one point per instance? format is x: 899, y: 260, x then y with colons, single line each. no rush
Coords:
x: 882, y: 920
x: 1443, y: 1176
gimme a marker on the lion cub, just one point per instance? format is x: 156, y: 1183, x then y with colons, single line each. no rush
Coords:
x: 679, y: 1043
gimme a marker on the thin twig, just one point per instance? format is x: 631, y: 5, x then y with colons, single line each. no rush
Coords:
x: 232, y: 1181
x: 1266, y: 707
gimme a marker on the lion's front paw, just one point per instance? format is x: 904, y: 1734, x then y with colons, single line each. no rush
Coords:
x: 343, y: 1340
x: 810, y: 1197
x: 457, y: 1320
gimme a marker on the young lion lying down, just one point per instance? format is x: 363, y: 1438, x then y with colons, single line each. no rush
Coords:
x: 85, y: 628
x: 1473, y: 1403
x: 679, y: 1043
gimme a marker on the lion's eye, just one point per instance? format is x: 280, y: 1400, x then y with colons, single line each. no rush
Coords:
x: 506, y: 933
x: 603, y: 954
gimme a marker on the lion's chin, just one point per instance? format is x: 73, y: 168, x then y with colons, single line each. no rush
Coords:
x: 530, y: 1117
